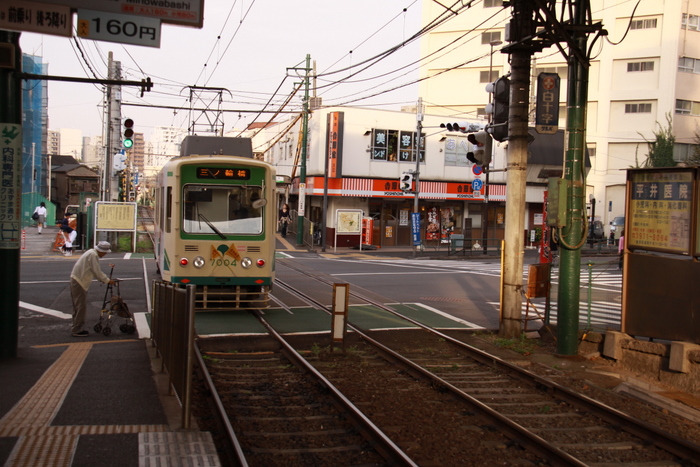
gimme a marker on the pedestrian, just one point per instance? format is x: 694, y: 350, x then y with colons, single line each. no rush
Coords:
x: 621, y: 248
x: 284, y: 220
x: 40, y: 216
x: 85, y: 270
x: 69, y: 236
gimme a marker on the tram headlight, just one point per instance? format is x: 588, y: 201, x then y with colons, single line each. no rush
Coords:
x: 199, y: 262
x: 260, y: 263
x: 246, y: 263
x: 184, y: 262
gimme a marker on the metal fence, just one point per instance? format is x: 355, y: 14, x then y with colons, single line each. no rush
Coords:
x: 172, y: 332
x: 600, y: 297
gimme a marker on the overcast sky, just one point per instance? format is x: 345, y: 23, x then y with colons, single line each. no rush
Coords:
x: 258, y: 41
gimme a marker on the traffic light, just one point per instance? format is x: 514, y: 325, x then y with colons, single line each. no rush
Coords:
x: 456, y: 126
x: 498, y: 108
x: 128, y: 141
x: 406, y: 182
x: 484, y: 145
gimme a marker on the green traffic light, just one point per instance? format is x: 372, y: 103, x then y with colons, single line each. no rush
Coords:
x: 128, y: 143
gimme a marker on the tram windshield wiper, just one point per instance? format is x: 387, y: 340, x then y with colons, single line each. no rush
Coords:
x: 217, y: 231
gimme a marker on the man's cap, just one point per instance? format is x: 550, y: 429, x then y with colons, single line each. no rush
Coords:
x: 103, y: 247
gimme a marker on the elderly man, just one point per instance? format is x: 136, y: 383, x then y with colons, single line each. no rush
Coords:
x: 85, y: 270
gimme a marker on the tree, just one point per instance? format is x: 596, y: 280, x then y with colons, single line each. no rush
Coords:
x: 661, y: 148
x: 694, y: 157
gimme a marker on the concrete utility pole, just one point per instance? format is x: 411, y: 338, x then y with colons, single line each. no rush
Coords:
x: 302, y: 169
x: 522, y: 27
x: 417, y: 144
x: 515, y: 194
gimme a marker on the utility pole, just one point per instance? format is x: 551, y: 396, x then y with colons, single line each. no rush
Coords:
x: 417, y: 144
x: 516, y: 166
x: 302, y: 169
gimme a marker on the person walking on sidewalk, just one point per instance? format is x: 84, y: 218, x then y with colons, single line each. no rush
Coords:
x: 284, y: 220
x: 86, y: 269
x: 40, y: 216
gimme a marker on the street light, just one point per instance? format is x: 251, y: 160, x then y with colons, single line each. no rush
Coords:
x: 485, y: 208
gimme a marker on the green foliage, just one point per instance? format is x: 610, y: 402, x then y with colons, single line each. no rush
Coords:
x: 661, y: 148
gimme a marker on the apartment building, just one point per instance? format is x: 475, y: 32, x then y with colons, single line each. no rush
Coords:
x: 645, y: 71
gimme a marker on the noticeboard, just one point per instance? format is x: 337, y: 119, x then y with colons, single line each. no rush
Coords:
x: 660, y: 210
x: 114, y: 216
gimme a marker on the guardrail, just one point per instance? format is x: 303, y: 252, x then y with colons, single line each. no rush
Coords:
x: 172, y: 334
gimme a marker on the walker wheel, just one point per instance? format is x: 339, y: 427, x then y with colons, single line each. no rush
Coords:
x: 98, y: 328
x: 107, y: 331
x: 123, y: 328
x: 131, y: 328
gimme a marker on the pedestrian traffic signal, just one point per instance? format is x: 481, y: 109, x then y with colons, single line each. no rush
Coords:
x: 484, y: 145
x: 406, y: 182
x: 128, y: 140
x: 499, y: 108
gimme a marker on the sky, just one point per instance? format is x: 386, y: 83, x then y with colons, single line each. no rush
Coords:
x: 246, y: 47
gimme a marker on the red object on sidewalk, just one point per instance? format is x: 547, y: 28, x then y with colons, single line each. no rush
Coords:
x: 24, y: 239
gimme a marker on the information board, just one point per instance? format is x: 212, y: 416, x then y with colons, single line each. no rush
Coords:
x: 114, y: 216
x: 660, y: 204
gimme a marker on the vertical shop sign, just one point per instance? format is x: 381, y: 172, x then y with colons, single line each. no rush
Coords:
x: 334, y: 148
x: 10, y: 185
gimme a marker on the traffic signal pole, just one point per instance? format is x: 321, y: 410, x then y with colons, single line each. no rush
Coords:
x: 573, y: 235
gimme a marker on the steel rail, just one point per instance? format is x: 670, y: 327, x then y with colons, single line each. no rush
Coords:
x: 656, y: 436
x: 384, y: 444
x: 220, y: 411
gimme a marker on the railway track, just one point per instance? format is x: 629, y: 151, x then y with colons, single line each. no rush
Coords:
x: 279, y: 410
x: 563, y: 426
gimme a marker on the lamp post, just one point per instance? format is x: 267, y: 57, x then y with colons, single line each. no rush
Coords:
x: 485, y: 208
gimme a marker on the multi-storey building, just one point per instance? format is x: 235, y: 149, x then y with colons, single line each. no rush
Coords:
x: 643, y: 75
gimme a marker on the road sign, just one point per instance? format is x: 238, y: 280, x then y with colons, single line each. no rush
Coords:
x: 477, y: 184
x: 477, y: 170
x: 186, y: 13
x: 21, y: 15
x: 112, y: 27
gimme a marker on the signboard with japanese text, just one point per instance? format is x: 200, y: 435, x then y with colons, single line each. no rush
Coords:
x: 10, y: 185
x: 42, y: 18
x: 334, y: 141
x: 659, y: 217
x: 114, y: 216
x: 124, y: 29
x: 547, y: 107
x: 186, y: 13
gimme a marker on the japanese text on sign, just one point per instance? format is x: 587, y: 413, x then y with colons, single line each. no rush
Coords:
x: 660, y: 206
x: 20, y: 15
x: 10, y: 185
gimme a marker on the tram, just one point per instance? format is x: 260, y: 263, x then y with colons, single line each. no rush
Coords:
x: 215, y: 223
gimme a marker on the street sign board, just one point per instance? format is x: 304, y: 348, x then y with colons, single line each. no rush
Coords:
x: 477, y: 184
x: 547, y: 107
x: 183, y: 12
x: 43, y: 18
x: 124, y: 29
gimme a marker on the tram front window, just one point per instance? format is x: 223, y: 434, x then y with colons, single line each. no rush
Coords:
x: 222, y: 210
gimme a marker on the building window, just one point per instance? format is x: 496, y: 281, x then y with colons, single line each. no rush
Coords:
x: 490, y: 36
x: 689, y: 65
x: 690, y: 22
x: 492, y: 3
x: 638, y: 108
x: 394, y: 145
x: 684, y: 107
x: 640, y: 66
x: 643, y: 24
x: 484, y: 76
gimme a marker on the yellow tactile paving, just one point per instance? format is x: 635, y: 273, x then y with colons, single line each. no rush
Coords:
x: 39, y: 443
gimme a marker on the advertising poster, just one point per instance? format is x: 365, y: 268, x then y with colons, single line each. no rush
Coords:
x: 433, y: 225
x: 660, y: 211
